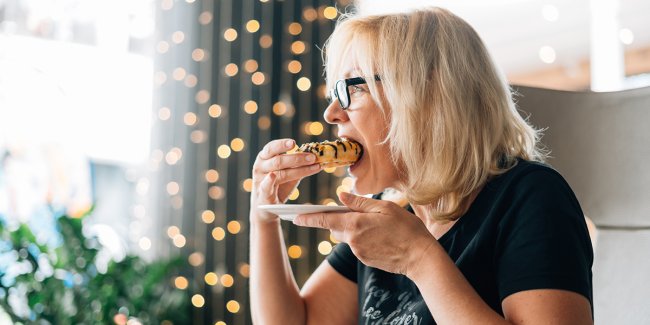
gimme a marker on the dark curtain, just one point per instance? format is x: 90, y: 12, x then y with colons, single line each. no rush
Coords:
x: 230, y: 76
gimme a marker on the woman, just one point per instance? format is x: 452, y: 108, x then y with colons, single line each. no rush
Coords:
x: 491, y: 235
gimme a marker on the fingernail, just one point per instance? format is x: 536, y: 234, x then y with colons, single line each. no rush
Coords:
x: 289, y: 144
x: 310, y: 158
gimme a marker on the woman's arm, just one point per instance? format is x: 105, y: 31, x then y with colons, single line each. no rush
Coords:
x: 326, y: 298
x: 275, y: 297
x: 330, y: 298
x: 274, y: 294
x: 452, y: 300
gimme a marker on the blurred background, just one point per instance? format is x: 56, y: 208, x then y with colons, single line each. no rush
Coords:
x: 128, y: 130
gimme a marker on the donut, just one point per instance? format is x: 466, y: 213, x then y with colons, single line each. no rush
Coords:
x: 337, y: 153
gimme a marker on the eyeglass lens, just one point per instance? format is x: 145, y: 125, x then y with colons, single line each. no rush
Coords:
x: 342, y: 93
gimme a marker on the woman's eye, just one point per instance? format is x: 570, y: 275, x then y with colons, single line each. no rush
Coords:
x: 356, y: 90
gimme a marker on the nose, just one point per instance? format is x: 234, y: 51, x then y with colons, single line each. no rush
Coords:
x: 334, y: 114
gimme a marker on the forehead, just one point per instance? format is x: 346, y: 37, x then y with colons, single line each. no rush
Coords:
x: 349, y: 68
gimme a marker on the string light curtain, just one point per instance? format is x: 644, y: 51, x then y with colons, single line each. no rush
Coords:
x: 230, y: 76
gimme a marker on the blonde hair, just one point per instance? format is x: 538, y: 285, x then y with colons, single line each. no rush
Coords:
x: 453, y: 123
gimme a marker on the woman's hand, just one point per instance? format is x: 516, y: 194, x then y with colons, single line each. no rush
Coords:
x: 276, y: 175
x: 380, y: 233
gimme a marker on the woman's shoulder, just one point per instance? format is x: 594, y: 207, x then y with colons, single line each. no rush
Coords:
x: 525, y: 172
x: 531, y: 182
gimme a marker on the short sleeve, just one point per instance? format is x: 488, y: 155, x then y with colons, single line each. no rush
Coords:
x: 542, y: 241
x: 343, y: 261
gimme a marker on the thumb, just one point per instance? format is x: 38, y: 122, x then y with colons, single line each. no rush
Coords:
x: 359, y: 203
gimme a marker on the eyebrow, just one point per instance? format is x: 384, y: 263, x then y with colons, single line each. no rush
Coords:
x: 348, y: 74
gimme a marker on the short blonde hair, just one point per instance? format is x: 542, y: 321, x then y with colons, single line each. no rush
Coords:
x: 453, y: 123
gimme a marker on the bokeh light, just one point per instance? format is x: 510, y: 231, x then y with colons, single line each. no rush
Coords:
x: 198, y: 55
x: 325, y: 247
x: 264, y: 123
x: 218, y: 233
x: 237, y: 144
x: 198, y: 301
x: 252, y: 26
x: 251, y: 66
x: 303, y: 83
x: 294, y: 251
x: 227, y: 280
x: 294, y: 66
x: 330, y: 13
x: 298, y: 47
x: 212, y: 176
x: 294, y: 28
x: 247, y: 184
x: 294, y: 195
x: 230, y: 34
x: 223, y: 151
x: 231, y: 69
x: 250, y: 107
x: 266, y: 41
x: 207, y: 216
x: 232, y: 306
x: 258, y: 78
x: 211, y: 278
x: 214, y: 110
x: 181, y: 282
x: 234, y: 227
x: 196, y: 259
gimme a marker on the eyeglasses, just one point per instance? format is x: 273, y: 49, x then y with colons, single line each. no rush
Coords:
x: 341, y: 90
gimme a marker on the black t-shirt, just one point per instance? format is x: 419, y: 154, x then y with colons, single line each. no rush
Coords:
x: 525, y: 230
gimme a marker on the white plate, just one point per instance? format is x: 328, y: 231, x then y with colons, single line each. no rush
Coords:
x: 290, y: 211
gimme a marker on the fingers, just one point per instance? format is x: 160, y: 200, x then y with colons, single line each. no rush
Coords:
x: 332, y: 221
x: 280, y: 162
x: 267, y: 187
x: 362, y: 204
x: 275, y: 148
x: 293, y: 174
x: 340, y: 225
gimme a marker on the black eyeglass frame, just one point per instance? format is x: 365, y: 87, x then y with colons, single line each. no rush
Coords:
x: 342, y: 86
